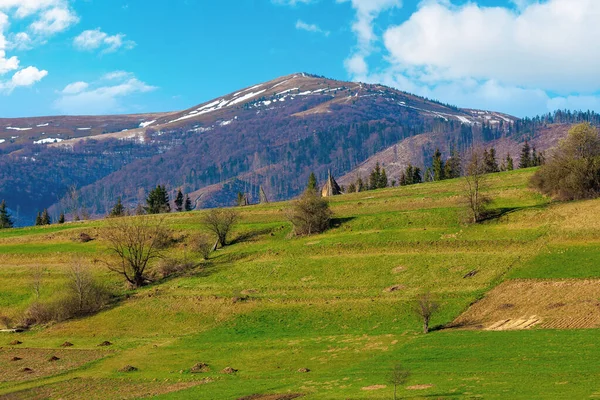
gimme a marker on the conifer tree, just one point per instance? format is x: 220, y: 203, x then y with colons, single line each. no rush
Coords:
x: 158, y: 201
x: 383, y: 180
x: 509, y: 163
x: 187, y: 203
x: 360, y: 185
x: 351, y: 188
x: 179, y: 201
x: 312, y: 182
x: 375, y: 177
x: 38, y: 219
x: 491, y: 164
x: 438, y: 166
x: 452, y: 167
x: 61, y: 218
x: 46, y: 218
x: 5, y: 218
x: 118, y: 210
x: 525, y: 161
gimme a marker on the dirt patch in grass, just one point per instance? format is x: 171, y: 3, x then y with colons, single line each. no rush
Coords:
x: 100, y: 389
x: 523, y: 304
x: 374, y: 387
x: 395, y: 288
x: 289, y: 396
x: 42, y: 362
x: 419, y: 387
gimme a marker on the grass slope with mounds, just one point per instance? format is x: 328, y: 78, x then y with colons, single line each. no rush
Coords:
x: 270, y: 305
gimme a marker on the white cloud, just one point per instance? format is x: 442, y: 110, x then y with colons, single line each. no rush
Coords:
x: 102, y: 98
x: 527, y: 58
x: 54, y: 20
x: 23, y: 78
x: 75, y: 88
x: 367, y: 12
x: 20, y: 41
x: 292, y: 2
x: 303, y: 26
x: 95, y: 39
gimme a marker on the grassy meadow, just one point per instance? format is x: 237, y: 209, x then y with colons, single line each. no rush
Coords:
x: 271, y: 304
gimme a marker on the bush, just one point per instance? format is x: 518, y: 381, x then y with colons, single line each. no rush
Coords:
x: 220, y: 222
x: 310, y: 214
x: 202, y: 245
x: 573, y: 171
x: 170, y: 266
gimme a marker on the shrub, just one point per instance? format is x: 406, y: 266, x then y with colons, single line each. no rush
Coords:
x: 170, y: 266
x: 201, y: 244
x: 310, y: 214
x: 220, y: 222
x: 573, y: 171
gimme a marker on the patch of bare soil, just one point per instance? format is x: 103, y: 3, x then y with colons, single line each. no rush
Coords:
x: 100, y: 389
x: 289, y: 396
x: 395, y: 288
x: 419, y: 387
x: 523, y: 304
x: 374, y: 387
x: 38, y: 363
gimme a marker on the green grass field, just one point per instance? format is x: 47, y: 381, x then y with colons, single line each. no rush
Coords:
x: 320, y: 303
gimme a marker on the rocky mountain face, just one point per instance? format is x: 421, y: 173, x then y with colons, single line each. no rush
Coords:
x: 272, y: 135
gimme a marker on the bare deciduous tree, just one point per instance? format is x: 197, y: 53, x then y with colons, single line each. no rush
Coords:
x: 81, y: 283
x: 475, y: 184
x: 398, y: 376
x: 37, y: 278
x: 425, y: 307
x: 134, y: 242
x: 220, y: 222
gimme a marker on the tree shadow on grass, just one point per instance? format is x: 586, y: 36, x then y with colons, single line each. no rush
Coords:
x: 497, y: 213
x: 338, y: 222
x: 251, y: 235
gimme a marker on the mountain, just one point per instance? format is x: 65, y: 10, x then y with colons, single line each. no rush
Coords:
x: 272, y: 135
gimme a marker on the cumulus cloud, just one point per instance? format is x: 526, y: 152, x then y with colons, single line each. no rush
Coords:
x: 526, y: 58
x: 54, y: 20
x: 103, y: 97
x: 23, y: 78
x: 363, y: 27
x: 95, y: 39
x: 303, y: 26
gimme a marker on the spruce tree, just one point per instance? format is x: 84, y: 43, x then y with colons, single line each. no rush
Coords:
x: 61, y: 218
x: 360, y: 185
x: 452, y: 167
x: 46, y: 218
x: 491, y: 164
x: 179, y: 201
x: 375, y: 177
x: 38, y: 219
x: 118, y: 210
x: 509, y: 163
x: 438, y: 166
x: 525, y: 161
x: 187, y: 203
x: 312, y: 182
x: 416, y: 177
x: 5, y: 218
x: 158, y: 201
x: 383, y: 180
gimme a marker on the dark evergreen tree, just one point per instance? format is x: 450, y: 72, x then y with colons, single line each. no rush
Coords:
x: 118, y: 210
x: 187, y: 203
x: 491, y: 164
x: 360, y: 185
x: 375, y: 177
x: 5, y: 218
x: 509, y: 163
x: 351, y: 188
x: 525, y: 161
x: 46, y: 220
x: 38, y: 219
x: 438, y: 166
x: 312, y: 182
x: 158, y: 201
x: 179, y: 201
x: 383, y: 180
x: 61, y: 218
x: 452, y: 167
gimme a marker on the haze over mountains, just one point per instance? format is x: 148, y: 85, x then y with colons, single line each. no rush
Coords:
x: 272, y: 134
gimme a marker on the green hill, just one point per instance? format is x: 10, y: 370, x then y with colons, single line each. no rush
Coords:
x: 337, y: 304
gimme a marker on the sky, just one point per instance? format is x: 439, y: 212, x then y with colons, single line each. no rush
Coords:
x: 521, y: 57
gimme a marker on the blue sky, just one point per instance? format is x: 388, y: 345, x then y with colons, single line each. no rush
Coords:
x: 522, y: 57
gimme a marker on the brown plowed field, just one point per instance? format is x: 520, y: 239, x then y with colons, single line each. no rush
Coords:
x: 524, y: 304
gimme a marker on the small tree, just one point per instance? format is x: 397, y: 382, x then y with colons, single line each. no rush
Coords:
x: 438, y: 166
x: 573, y: 171
x: 46, y: 220
x: 6, y: 220
x: 87, y: 293
x: 179, y: 201
x: 118, y: 210
x: 310, y: 214
x: 187, y: 203
x: 491, y: 164
x: 525, y: 161
x: 201, y: 244
x: 452, y: 167
x: 157, y: 201
x: 37, y: 279
x: 312, y: 182
x: 425, y: 307
x: 61, y: 218
x: 220, y: 222
x: 398, y: 377
x: 475, y: 184
x: 134, y: 243
x: 38, y: 219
